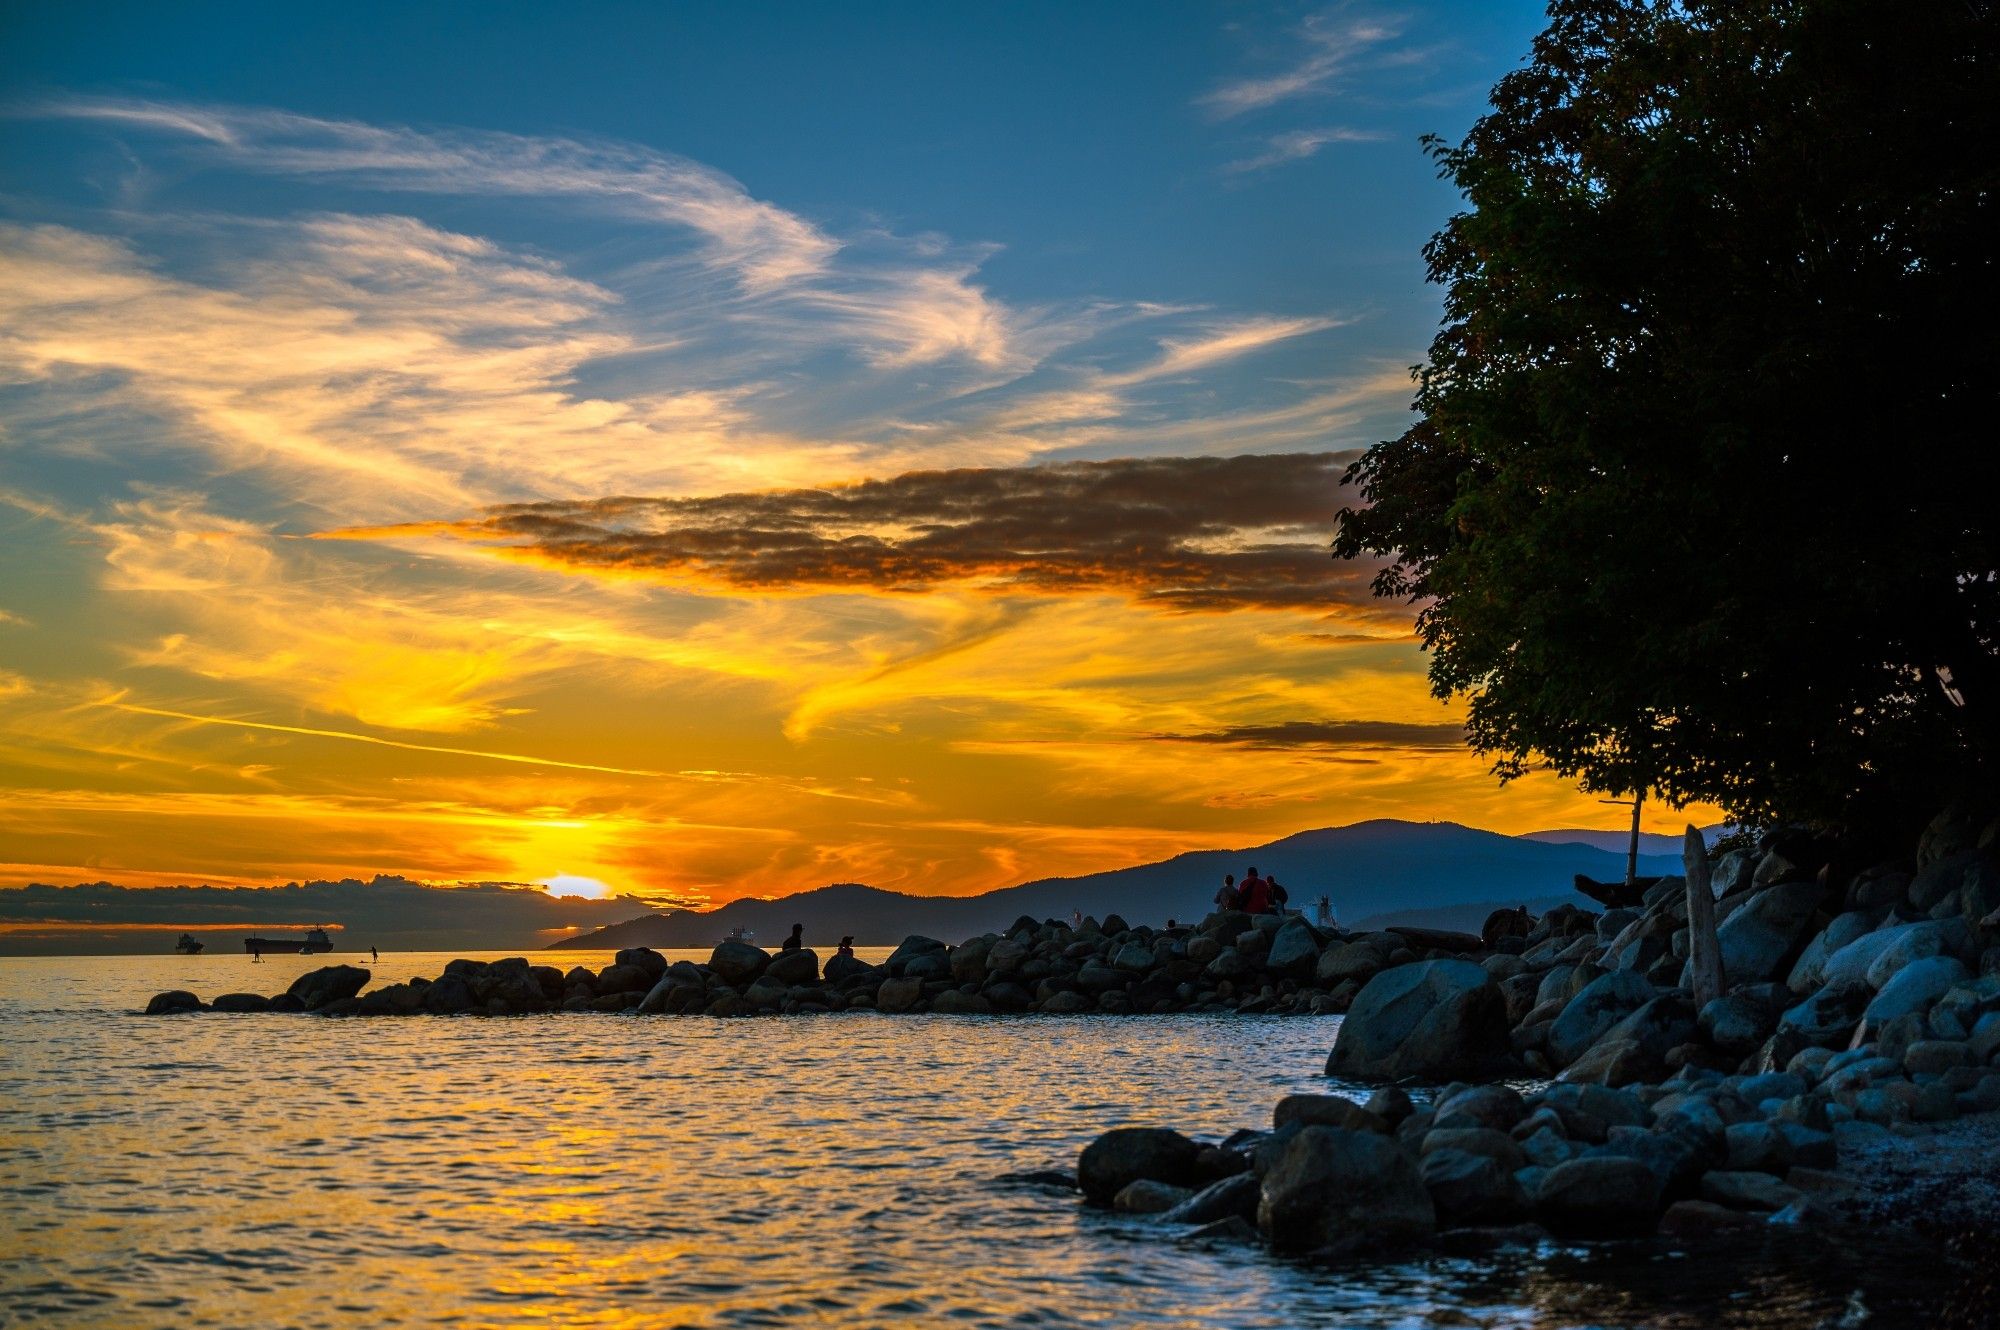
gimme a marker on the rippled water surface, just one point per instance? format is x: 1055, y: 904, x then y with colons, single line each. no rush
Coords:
x: 596, y: 1170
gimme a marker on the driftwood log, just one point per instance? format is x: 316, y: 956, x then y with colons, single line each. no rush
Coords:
x: 1704, y: 951
x: 1616, y: 895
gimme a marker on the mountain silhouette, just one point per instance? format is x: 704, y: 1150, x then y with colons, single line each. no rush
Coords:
x: 1369, y: 870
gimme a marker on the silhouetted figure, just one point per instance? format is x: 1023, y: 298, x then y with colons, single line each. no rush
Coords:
x: 1227, y: 897
x: 796, y: 940
x: 846, y: 947
x: 1171, y: 925
x: 374, y: 955
x: 1256, y: 893
x: 1279, y: 897
x: 256, y: 954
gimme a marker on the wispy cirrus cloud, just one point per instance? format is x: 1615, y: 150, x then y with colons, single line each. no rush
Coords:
x: 1328, y: 47
x: 1298, y: 144
x: 1174, y: 533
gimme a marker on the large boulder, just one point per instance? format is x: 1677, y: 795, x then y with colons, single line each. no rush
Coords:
x: 1809, y: 972
x: 899, y: 994
x: 1294, y: 950
x: 241, y: 1002
x: 1828, y: 1017
x: 737, y: 962
x: 839, y: 969
x: 1913, y: 989
x: 1598, y: 1196
x: 643, y: 958
x: 1602, y: 1003
x: 1339, y: 1191
x: 917, y: 946
x: 1636, y: 1048
x: 1738, y: 1023
x: 1429, y: 1021
x: 794, y: 967
x: 172, y: 1003
x: 1766, y: 932
x: 329, y: 983
x: 1469, y: 1188
x: 1125, y: 1155
x: 1937, y: 937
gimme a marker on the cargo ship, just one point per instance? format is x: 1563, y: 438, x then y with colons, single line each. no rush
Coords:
x: 314, y: 941
x: 187, y: 946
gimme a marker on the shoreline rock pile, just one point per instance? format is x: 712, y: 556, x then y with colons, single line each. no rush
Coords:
x: 1231, y: 962
x: 1854, y: 1008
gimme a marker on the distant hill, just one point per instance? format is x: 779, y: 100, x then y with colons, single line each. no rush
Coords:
x: 1368, y: 869
x: 1616, y: 842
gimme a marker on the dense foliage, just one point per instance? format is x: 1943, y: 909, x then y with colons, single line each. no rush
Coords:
x: 1703, y: 498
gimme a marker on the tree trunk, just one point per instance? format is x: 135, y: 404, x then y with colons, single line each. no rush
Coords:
x: 1704, y: 951
x: 1632, y: 850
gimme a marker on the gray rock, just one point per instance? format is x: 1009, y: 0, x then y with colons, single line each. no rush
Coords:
x: 1325, y: 1110
x: 1942, y: 937
x: 1912, y: 990
x: 1234, y: 1195
x: 1294, y: 950
x: 1598, y: 1197
x: 1934, y: 1057
x: 794, y: 967
x: 913, y: 947
x: 1589, y: 1015
x: 1829, y: 1016
x: 330, y: 983
x: 1498, y: 1107
x: 1737, y: 1023
x: 1341, y: 1191
x: 1809, y: 972
x: 1429, y: 1021
x: 1767, y: 931
x: 1391, y: 1104
x: 1748, y: 1191
x: 1125, y: 1155
x: 241, y: 1002
x: 1468, y: 1188
x: 957, y: 1002
x: 738, y: 962
x: 1479, y: 1141
x: 899, y: 994
x: 643, y: 958
x: 1133, y: 958
x: 1355, y: 960
x: 1147, y: 1197
x: 839, y: 969
x: 1758, y: 1147
x: 173, y: 1003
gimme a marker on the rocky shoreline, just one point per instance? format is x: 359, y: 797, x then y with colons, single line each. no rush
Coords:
x: 1232, y: 962
x: 1858, y: 1014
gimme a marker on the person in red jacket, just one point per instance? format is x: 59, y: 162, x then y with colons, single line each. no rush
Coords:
x: 1256, y: 893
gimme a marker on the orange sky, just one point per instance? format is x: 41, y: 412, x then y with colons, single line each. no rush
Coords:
x: 317, y: 564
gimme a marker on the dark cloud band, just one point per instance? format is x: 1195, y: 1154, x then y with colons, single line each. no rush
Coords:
x: 1180, y: 533
x: 1329, y: 734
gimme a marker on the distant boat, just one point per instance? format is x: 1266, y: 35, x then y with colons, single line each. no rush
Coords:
x: 187, y: 946
x: 315, y: 940
x: 741, y: 934
x: 1323, y: 913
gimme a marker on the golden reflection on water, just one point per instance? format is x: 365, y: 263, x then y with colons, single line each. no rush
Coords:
x: 609, y: 1171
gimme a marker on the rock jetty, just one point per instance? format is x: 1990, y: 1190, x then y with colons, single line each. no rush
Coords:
x: 1856, y: 1009
x: 1231, y: 962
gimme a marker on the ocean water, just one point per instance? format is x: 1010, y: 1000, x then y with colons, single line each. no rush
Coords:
x: 611, y: 1171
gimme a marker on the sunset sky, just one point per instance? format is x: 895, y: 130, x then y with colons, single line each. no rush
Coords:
x: 712, y: 450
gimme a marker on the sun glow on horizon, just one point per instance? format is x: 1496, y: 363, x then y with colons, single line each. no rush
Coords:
x: 569, y: 884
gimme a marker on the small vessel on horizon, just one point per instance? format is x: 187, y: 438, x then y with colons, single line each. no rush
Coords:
x: 741, y: 934
x: 314, y: 941
x: 187, y: 946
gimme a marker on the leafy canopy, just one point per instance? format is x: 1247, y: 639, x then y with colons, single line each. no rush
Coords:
x: 1703, y: 496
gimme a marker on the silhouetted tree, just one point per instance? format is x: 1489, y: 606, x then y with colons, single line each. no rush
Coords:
x: 1703, y: 498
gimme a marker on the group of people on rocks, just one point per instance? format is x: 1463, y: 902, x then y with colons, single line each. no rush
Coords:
x: 1256, y: 894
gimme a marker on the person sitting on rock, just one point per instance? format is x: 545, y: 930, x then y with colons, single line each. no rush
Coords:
x: 846, y: 947
x: 1256, y: 893
x: 796, y: 940
x: 1279, y: 897
x: 1227, y: 897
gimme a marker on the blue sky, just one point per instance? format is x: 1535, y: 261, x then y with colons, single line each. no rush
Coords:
x: 300, y: 298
